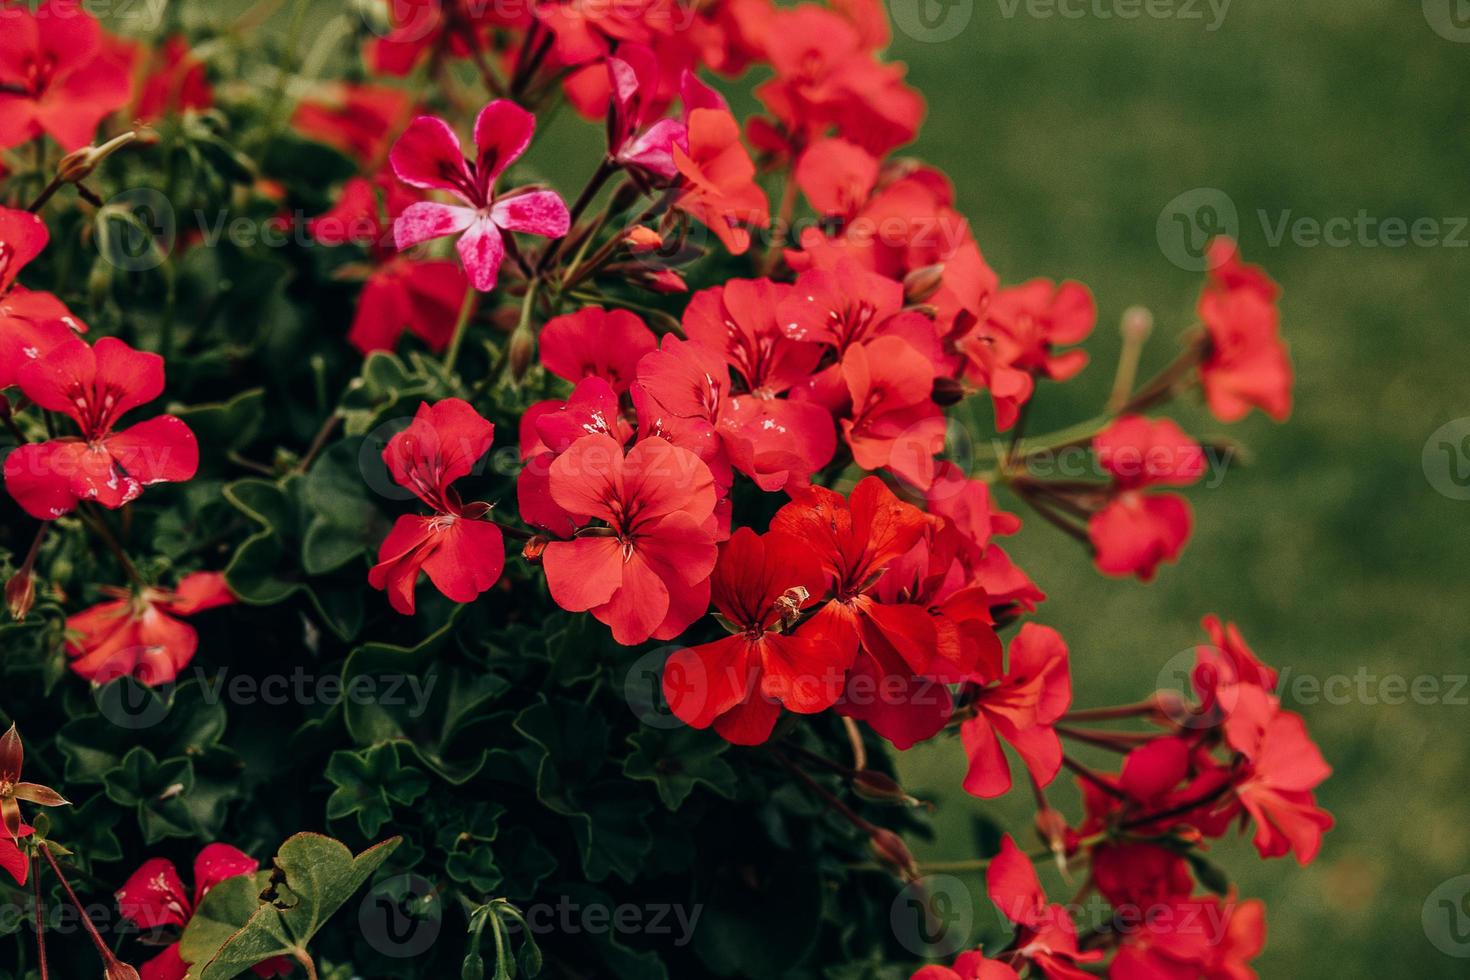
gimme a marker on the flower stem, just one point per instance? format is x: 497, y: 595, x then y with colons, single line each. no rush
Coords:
x: 40, y: 918
x: 461, y: 326
x: 107, y: 956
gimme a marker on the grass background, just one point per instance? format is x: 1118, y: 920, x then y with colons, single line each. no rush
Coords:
x: 1066, y: 138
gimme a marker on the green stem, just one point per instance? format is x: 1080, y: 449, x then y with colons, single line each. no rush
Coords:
x: 461, y: 327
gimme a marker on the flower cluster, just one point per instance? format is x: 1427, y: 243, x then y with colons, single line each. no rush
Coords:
x: 733, y: 433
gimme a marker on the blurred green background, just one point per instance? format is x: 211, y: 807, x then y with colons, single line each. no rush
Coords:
x: 1066, y: 138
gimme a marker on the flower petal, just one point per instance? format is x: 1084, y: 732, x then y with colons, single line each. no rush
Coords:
x: 481, y: 250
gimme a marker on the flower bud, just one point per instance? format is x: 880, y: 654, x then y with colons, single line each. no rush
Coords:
x: 892, y: 851
x: 880, y: 788
x: 661, y: 281
x: 1136, y: 325
x: 641, y: 238
x: 20, y: 594
x: 534, y: 548
x: 922, y: 283
x: 522, y: 350
x: 118, y: 970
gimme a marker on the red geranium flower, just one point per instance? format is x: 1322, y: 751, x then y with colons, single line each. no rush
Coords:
x: 720, y: 190
x: 176, y: 80
x: 594, y: 342
x: 13, y: 860
x: 1245, y: 364
x: 155, y: 900
x: 356, y: 119
x: 1021, y: 707
x: 1136, y: 531
x: 1045, y: 934
x: 95, y: 387
x: 836, y: 176
x: 760, y: 586
x: 646, y: 574
x: 968, y: 966
x: 32, y: 324
x: 895, y: 424
x: 462, y: 554
x: 637, y: 135
x: 428, y: 156
x: 55, y: 77
x: 137, y: 635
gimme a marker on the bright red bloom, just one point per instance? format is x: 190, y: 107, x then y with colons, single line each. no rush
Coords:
x: 176, y: 80
x: 137, y: 634
x: 1020, y: 707
x: 720, y: 190
x: 1245, y: 364
x: 646, y: 574
x: 359, y: 120
x: 680, y: 392
x: 428, y: 156
x: 422, y: 296
x: 893, y: 647
x: 32, y: 324
x: 836, y: 176
x: 14, y: 861
x: 1220, y: 667
x: 968, y: 966
x: 95, y: 387
x: 154, y: 898
x: 420, y: 29
x: 594, y: 342
x: 739, y: 683
x: 1285, y: 767
x: 1135, y: 531
x: 55, y: 76
x: 1045, y: 934
x: 462, y: 553
x: 895, y: 424
x: 550, y: 428
x: 13, y: 790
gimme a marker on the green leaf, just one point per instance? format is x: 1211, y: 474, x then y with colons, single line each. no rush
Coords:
x: 679, y: 759
x: 155, y: 790
x: 345, y: 519
x: 245, y: 920
x: 186, y: 721
x: 369, y: 783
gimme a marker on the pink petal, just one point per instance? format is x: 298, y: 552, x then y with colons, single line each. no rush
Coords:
x: 425, y: 220
x: 428, y: 155
x: 503, y: 130
x: 535, y: 213
x: 481, y: 250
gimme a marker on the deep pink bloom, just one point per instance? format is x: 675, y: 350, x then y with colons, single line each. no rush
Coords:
x: 646, y: 572
x: 95, y: 387
x: 638, y: 135
x: 428, y: 156
x: 462, y: 553
x: 739, y: 684
x: 1135, y: 531
x: 56, y: 78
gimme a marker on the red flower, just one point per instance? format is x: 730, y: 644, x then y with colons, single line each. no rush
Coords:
x: 137, y: 635
x: 13, y: 860
x: 1045, y: 934
x: 681, y: 390
x: 646, y: 574
x: 836, y: 176
x: 594, y: 342
x: 428, y: 156
x: 32, y: 324
x: 1020, y: 708
x: 720, y: 188
x: 421, y: 296
x: 739, y: 684
x: 1135, y: 531
x: 637, y: 135
x: 1276, y: 791
x: 55, y: 77
x: 895, y: 424
x: 356, y: 119
x: 95, y: 387
x: 1245, y: 364
x: 462, y: 554
x: 13, y: 789
x: 176, y: 81
x: 968, y: 966
x: 154, y: 898
x: 550, y: 428
x: 893, y: 647
x: 419, y: 29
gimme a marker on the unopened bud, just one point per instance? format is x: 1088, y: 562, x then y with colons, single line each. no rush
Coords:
x: 20, y: 594
x: 1137, y: 324
x: 892, y: 851
x: 534, y: 548
x: 522, y: 350
x: 880, y: 788
x: 661, y: 281
x: 922, y: 283
x: 118, y: 970
x: 641, y: 238
x: 78, y: 165
x: 947, y: 391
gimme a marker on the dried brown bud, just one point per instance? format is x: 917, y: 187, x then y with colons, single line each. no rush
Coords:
x: 522, y: 350
x: 947, y: 391
x: 922, y: 283
x: 118, y: 970
x: 880, y: 788
x: 892, y: 851
x: 20, y: 594
x: 790, y: 603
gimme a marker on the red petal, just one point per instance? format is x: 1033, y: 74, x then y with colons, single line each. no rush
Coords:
x: 217, y: 863
x: 154, y: 897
